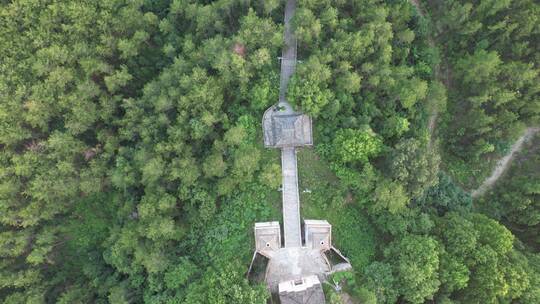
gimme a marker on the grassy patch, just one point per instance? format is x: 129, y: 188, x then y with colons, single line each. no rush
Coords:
x: 273, y: 196
x: 326, y: 199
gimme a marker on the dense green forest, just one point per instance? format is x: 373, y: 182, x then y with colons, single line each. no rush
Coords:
x: 133, y: 168
x: 491, y: 70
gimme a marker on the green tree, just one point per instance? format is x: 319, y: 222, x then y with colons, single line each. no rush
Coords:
x: 415, y: 260
x: 415, y: 165
x: 379, y: 279
x: 271, y: 175
x: 445, y: 196
x: 356, y: 145
x: 308, y: 88
x: 389, y: 196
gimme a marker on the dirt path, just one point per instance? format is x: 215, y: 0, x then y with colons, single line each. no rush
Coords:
x: 432, y: 123
x: 418, y: 8
x: 504, y: 163
x: 347, y: 299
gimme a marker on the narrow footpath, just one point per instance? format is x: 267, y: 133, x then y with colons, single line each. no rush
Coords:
x: 504, y: 163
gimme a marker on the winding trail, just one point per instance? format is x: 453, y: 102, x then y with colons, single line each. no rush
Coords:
x: 504, y: 163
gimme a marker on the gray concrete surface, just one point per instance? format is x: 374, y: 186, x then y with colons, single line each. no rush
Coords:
x: 295, y: 263
x: 291, y: 201
x: 288, y: 60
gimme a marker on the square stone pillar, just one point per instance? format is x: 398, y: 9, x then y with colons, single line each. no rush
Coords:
x: 267, y: 237
x: 318, y: 234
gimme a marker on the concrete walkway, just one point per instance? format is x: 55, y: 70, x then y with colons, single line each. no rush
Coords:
x: 291, y: 201
x: 288, y: 57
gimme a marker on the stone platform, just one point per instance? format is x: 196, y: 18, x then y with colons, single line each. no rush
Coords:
x: 295, y: 263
